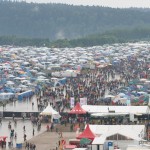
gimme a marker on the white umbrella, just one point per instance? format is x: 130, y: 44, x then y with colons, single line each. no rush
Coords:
x: 17, y: 68
x: 41, y: 73
x: 23, y: 86
x: 11, y: 76
x: 41, y: 77
x: 109, y: 96
x: 10, y: 83
x: 143, y: 79
x: 121, y: 94
x: 26, y: 63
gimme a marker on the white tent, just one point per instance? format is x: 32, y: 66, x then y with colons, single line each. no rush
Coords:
x: 51, y: 112
x: 135, y: 132
x: 109, y: 114
x: 137, y: 148
x: 116, y: 109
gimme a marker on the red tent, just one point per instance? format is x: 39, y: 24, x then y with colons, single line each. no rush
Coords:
x: 77, y: 110
x: 87, y: 133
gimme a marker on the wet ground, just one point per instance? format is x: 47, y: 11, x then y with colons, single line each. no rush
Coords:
x: 18, y: 128
x: 21, y: 106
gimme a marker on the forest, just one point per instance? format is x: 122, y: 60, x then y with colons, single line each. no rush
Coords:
x: 39, y: 24
x: 108, y: 37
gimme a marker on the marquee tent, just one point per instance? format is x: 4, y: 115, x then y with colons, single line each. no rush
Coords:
x: 135, y: 132
x: 77, y: 110
x: 50, y: 111
x: 87, y: 133
x: 116, y: 109
x: 109, y: 114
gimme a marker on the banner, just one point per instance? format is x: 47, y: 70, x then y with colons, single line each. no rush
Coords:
x: 83, y: 101
x: 128, y: 102
x: 71, y: 102
x: 132, y: 117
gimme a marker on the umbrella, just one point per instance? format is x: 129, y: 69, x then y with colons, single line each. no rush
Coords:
x: 121, y: 94
x: 10, y: 83
x: 85, y: 141
x: 109, y: 96
x: 143, y: 79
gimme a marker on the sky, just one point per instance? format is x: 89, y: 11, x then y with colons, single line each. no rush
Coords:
x: 109, y: 3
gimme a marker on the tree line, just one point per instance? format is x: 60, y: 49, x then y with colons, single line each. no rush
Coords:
x: 59, y: 21
x: 109, y: 37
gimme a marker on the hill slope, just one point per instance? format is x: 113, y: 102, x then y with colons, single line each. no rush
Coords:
x: 58, y: 21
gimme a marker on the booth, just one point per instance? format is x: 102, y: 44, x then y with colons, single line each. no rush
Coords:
x: 3, y: 141
x: 49, y: 111
x: 74, y: 141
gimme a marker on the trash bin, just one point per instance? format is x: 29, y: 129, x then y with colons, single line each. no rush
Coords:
x: 19, y: 145
x: 110, y: 144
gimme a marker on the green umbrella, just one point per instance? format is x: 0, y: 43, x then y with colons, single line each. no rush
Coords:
x: 85, y: 141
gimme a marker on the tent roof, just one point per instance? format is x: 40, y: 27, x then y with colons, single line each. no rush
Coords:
x: 49, y: 111
x: 99, y: 140
x: 87, y: 133
x: 117, y: 109
x: 108, y: 130
x: 137, y: 148
x: 77, y: 110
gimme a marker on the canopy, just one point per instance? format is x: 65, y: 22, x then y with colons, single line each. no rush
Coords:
x: 77, y: 110
x: 50, y: 111
x: 135, y: 132
x: 85, y: 141
x: 109, y: 114
x: 116, y: 109
x: 87, y: 133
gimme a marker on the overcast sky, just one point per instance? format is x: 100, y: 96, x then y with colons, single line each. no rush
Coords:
x: 110, y: 3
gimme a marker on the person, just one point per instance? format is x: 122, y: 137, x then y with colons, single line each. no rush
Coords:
x: 51, y: 127
x: 9, y: 125
x: 0, y: 121
x: 47, y: 127
x: 26, y: 145
x: 25, y: 137
x: 31, y: 146
x: 15, y: 122
x: 34, y: 147
x: 24, y: 128
x: 32, y: 104
x: 13, y: 116
x: 33, y: 132
x: 15, y: 135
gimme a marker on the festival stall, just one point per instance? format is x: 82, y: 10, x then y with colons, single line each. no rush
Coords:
x: 77, y: 110
x: 87, y: 133
x: 3, y: 141
x: 49, y: 111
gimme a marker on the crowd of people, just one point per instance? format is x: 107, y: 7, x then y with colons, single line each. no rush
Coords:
x: 30, y: 146
x: 95, y: 84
